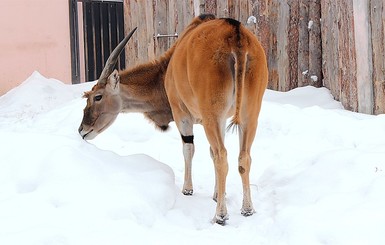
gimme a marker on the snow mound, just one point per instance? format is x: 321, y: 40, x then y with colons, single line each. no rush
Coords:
x: 55, y: 186
x: 304, y: 97
x: 35, y: 96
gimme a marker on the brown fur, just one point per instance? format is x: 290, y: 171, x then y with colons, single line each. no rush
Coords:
x: 216, y: 69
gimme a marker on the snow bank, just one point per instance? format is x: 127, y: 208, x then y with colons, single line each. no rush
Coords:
x: 56, y: 188
x: 318, y: 175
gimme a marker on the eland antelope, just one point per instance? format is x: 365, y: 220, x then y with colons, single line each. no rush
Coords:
x: 217, y: 69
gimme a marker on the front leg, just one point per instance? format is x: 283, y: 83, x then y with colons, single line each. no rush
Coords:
x: 184, y: 122
x: 188, y: 153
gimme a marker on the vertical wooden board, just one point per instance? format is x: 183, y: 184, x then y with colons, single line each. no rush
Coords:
x: 244, y: 11
x: 233, y: 9
x: 329, y: 35
x: 161, y: 25
x: 377, y: 13
x: 142, y: 34
x: 267, y: 16
x: 199, y: 7
x: 150, y: 31
x: 273, y: 61
x: 282, y: 46
x: 188, y: 12
x: 293, y: 40
x: 173, y: 17
x: 173, y: 22
x: 303, y: 43
x: 347, y: 56
x: 130, y: 23
x: 315, y: 46
x: 190, y: 9
x: 180, y: 9
x: 210, y: 7
x: 223, y: 9
x: 361, y: 15
x: 179, y: 14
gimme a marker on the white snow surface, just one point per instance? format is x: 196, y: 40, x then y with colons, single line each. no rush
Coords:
x: 318, y: 175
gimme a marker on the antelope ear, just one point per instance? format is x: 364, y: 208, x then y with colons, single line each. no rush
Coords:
x: 113, y: 82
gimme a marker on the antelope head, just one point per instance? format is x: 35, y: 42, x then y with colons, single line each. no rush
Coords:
x: 103, y: 101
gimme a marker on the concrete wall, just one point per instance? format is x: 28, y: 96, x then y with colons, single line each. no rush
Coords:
x: 35, y: 35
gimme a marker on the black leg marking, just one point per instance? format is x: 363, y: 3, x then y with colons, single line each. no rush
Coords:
x: 188, y: 139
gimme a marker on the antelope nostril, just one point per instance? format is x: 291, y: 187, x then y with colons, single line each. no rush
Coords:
x: 80, y: 128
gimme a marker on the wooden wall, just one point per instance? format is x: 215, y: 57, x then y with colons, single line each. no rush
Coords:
x: 353, y: 53
x: 337, y: 44
x: 293, y: 47
x: 158, y: 22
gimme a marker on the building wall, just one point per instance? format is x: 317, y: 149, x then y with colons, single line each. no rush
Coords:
x: 35, y: 35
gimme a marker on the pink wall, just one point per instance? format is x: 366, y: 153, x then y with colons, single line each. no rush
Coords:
x: 35, y: 35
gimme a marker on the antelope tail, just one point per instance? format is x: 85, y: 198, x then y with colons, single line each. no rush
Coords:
x: 239, y: 78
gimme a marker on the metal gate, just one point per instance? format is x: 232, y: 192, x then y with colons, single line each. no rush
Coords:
x: 103, y: 28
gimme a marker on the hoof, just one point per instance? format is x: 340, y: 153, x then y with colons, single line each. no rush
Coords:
x: 220, y: 219
x: 187, y: 192
x: 247, y: 212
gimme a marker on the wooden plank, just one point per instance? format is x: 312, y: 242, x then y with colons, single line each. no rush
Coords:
x: 377, y: 14
x: 176, y: 19
x: 150, y: 30
x: 265, y: 29
x: 347, y: 56
x: 244, y: 11
x: 142, y: 34
x: 233, y: 9
x: 303, y: 43
x: 130, y: 23
x: 293, y: 40
x: 161, y: 26
x: 173, y: 17
x: 210, y: 7
x: 363, y: 52
x: 222, y: 9
x: 315, y: 46
x: 282, y: 46
x: 190, y: 12
x: 329, y: 34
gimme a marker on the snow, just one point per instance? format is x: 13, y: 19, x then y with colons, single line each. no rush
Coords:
x: 310, y: 24
x: 252, y: 19
x: 314, y: 78
x: 318, y: 175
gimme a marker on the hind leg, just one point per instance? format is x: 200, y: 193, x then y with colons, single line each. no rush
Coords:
x: 214, y: 132
x: 246, y: 138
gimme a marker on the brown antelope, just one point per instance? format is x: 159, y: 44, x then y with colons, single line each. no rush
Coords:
x: 217, y: 69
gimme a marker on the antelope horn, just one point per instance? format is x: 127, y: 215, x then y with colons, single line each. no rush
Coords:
x: 111, y: 61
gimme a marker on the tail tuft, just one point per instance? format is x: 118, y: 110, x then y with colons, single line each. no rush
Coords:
x: 234, y: 126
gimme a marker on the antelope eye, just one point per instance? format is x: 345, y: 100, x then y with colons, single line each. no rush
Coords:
x: 98, y: 97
